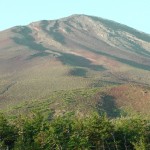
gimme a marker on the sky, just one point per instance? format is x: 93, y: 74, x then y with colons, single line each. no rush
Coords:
x: 134, y: 13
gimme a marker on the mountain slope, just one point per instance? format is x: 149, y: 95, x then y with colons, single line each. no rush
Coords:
x: 117, y: 100
x: 79, y: 51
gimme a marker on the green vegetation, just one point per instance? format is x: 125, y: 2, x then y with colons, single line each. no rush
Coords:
x: 83, y: 76
x: 69, y: 132
x: 80, y: 119
x: 79, y: 101
x: 114, y: 100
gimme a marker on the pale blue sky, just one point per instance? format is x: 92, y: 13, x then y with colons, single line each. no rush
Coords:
x: 134, y: 13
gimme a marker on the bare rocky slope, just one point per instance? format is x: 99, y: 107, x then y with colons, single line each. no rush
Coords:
x: 75, y: 52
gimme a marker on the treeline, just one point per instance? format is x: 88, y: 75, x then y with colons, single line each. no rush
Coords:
x: 70, y: 133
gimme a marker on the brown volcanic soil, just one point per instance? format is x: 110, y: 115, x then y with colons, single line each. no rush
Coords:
x: 131, y: 96
x: 70, y: 53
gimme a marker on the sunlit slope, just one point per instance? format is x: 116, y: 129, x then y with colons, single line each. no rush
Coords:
x: 70, y: 53
x: 115, y: 101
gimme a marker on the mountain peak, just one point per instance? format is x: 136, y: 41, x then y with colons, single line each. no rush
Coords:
x: 56, y: 54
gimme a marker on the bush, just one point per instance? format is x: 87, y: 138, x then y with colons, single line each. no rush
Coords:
x: 70, y: 133
x: 8, y: 133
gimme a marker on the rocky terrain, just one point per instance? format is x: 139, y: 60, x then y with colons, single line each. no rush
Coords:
x: 76, y: 52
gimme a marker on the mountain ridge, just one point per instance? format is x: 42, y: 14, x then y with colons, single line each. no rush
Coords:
x: 59, y: 36
x: 75, y: 52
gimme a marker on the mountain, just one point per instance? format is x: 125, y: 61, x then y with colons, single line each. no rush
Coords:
x: 76, y: 52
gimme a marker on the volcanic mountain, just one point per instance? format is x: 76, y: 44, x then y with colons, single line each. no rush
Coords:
x: 75, y: 52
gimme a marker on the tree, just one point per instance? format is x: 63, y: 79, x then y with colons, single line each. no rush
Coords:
x: 8, y: 133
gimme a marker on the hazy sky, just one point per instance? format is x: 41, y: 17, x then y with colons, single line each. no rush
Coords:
x: 134, y: 13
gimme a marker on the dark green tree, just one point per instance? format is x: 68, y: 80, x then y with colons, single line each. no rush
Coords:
x: 8, y: 133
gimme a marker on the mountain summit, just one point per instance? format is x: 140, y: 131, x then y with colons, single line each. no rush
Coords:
x: 73, y: 52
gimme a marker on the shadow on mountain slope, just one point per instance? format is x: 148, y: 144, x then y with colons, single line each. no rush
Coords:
x: 122, y: 60
x: 81, y: 72
x: 78, y: 61
x: 107, y: 104
x: 53, y: 31
x: 26, y: 39
x: 135, y: 47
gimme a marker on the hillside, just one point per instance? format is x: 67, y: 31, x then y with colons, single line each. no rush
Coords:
x: 76, y: 52
x: 115, y: 101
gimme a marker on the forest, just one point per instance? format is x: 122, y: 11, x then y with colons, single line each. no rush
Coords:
x: 68, y: 132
